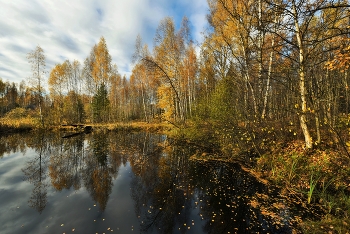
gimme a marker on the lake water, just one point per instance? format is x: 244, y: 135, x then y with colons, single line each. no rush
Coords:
x: 128, y: 183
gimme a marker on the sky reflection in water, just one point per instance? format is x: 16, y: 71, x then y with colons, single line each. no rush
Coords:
x: 125, y: 183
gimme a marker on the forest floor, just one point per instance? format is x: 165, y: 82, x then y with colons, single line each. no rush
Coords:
x: 317, y: 179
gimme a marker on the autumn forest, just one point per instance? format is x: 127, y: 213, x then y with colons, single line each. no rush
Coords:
x: 279, y: 63
x: 268, y: 75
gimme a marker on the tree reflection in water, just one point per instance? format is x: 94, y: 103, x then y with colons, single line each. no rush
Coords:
x: 171, y: 187
x: 87, y: 161
x: 35, y: 173
x: 161, y: 201
x: 90, y: 160
x: 66, y: 162
x: 12, y: 143
x: 99, y: 171
x: 170, y: 192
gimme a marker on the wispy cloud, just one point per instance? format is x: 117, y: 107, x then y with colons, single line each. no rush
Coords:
x: 68, y: 29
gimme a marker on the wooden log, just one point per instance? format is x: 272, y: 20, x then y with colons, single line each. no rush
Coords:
x: 88, y: 129
x: 73, y: 135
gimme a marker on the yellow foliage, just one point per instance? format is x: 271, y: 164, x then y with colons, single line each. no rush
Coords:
x: 166, y: 102
x: 102, y: 63
x: 341, y: 60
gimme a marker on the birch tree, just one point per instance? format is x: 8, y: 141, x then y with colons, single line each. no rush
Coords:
x: 166, y: 64
x: 37, y: 60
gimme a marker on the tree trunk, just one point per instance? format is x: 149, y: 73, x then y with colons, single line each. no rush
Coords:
x: 266, y: 96
x: 39, y: 91
x: 144, y: 103
x: 302, y: 87
x: 268, y: 81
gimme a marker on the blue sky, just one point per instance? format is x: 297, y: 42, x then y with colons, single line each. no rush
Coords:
x: 68, y: 29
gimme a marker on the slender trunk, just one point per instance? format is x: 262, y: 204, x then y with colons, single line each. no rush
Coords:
x: 263, y: 115
x: 267, y: 91
x: 346, y: 93
x: 328, y: 102
x: 317, y: 112
x: 246, y: 96
x: 260, y: 49
x: 189, y: 93
x: 253, y: 95
x: 302, y: 87
x: 318, y: 132
x: 331, y: 106
x: 247, y: 76
x: 41, y: 112
x: 144, y: 104
x: 39, y: 91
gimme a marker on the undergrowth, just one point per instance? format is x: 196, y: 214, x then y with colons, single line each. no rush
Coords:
x: 320, y: 177
x: 19, y: 119
x: 315, y: 178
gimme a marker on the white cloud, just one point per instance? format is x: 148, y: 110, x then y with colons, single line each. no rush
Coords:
x: 68, y: 29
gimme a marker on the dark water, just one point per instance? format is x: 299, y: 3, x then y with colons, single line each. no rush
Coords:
x: 127, y: 183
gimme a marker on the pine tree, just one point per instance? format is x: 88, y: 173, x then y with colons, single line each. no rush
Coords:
x: 100, y: 105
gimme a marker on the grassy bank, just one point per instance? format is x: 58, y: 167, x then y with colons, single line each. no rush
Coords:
x: 320, y: 177
x: 19, y: 120
x: 317, y: 179
x: 135, y: 126
x: 18, y: 125
x: 11, y: 124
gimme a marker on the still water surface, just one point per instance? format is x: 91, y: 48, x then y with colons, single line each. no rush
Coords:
x: 127, y: 183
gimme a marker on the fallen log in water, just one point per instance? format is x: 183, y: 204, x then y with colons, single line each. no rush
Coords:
x: 85, y: 130
x: 88, y: 129
x: 73, y: 134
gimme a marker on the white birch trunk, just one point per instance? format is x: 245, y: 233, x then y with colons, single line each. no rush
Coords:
x: 302, y: 87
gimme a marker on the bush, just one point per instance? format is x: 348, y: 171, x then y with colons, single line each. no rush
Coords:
x: 17, y: 113
x: 19, y: 119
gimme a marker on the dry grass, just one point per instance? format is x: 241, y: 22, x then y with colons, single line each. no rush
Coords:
x: 20, y: 124
x: 17, y: 123
x: 19, y: 119
x: 135, y: 126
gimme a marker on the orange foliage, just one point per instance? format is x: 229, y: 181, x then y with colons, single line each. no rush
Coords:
x: 341, y: 60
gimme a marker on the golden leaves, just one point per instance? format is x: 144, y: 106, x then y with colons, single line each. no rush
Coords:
x: 102, y: 63
x: 341, y: 60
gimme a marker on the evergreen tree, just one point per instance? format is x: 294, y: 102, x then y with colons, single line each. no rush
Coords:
x: 100, y: 105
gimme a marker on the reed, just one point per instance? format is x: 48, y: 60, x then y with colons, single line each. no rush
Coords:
x: 313, y: 183
x: 293, y: 167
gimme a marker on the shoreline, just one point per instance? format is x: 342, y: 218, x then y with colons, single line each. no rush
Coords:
x: 285, y: 166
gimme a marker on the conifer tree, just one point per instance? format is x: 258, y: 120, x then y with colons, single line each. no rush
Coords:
x: 100, y: 105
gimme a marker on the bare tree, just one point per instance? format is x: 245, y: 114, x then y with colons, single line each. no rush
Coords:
x: 37, y: 60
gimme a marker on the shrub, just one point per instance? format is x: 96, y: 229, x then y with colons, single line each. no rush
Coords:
x: 16, y: 113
